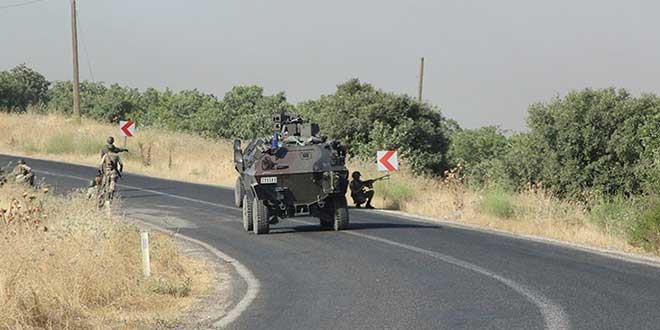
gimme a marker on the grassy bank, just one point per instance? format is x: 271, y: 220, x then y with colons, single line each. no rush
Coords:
x: 67, y: 265
x: 601, y: 223
x: 152, y: 152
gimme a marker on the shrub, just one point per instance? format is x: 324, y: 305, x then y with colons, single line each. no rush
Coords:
x: 62, y: 143
x: 645, y: 232
x: 497, y: 203
x: 89, y: 146
x: 395, y: 193
x: 615, y: 214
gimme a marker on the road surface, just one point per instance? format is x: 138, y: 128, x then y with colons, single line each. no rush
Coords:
x: 389, y: 272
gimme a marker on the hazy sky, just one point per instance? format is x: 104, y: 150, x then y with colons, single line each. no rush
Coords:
x: 486, y: 61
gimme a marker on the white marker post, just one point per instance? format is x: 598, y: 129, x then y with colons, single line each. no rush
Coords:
x: 146, y: 264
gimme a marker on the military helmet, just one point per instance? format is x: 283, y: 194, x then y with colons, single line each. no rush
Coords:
x: 110, y: 140
x: 21, y: 162
x: 356, y: 175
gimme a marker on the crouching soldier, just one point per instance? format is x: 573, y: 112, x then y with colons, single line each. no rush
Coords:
x: 361, y: 191
x: 23, y: 173
x: 94, y: 188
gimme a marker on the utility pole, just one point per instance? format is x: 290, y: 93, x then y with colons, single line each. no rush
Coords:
x: 74, y: 38
x: 421, y: 80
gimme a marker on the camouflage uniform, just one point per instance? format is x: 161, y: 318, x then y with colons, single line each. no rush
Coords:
x: 111, y: 167
x: 110, y: 147
x: 3, y: 177
x: 94, y: 187
x: 23, y: 173
x: 359, y: 191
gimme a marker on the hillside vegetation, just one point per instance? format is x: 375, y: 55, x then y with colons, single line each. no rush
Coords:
x: 586, y: 170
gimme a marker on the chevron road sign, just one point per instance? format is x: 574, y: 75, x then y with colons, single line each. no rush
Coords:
x: 127, y: 128
x: 387, y: 160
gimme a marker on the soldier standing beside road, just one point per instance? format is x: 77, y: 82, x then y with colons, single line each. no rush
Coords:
x: 110, y: 147
x: 359, y: 191
x: 111, y: 167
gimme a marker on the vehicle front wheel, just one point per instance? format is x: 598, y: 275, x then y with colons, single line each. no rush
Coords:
x: 340, y: 213
x: 247, y: 213
x: 238, y: 193
x: 326, y: 216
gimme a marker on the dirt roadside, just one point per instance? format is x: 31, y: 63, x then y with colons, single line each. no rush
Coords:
x: 213, y: 306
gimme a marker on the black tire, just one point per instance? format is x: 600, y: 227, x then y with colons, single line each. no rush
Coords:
x: 260, y: 217
x: 247, y: 213
x: 340, y: 213
x: 238, y: 193
x: 326, y: 217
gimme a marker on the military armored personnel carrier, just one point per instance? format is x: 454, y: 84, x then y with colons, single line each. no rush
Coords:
x: 293, y: 173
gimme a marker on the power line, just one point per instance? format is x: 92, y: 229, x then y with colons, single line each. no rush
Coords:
x: 20, y: 4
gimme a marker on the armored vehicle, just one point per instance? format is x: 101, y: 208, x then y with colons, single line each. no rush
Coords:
x: 293, y: 173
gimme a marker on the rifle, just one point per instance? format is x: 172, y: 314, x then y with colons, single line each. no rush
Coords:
x: 370, y: 182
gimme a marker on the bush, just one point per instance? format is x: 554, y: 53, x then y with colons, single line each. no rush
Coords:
x: 366, y: 119
x: 497, y: 203
x: 645, y: 232
x: 63, y: 143
x: 89, y: 146
x: 394, y: 193
x: 616, y: 214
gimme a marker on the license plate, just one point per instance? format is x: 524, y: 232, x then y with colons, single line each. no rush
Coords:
x: 268, y: 179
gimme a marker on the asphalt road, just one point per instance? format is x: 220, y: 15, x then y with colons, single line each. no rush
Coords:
x: 388, y: 272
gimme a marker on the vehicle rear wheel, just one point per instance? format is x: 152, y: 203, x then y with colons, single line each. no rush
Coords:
x: 340, y: 213
x: 238, y: 193
x: 260, y: 216
x: 247, y: 213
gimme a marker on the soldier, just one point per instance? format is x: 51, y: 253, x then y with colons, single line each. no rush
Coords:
x: 359, y: 191
x: 110, y: 147
x: 3, y: 177
x: 23, y: 173
x: 111, y: 167
x: 94, y: 188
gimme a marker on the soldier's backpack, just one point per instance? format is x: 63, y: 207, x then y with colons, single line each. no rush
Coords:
x: 110, y: 162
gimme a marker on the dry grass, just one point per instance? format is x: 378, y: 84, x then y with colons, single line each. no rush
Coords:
x: 67, y: 265
x: 535, y: 212
x: 208, y: 161
x: 152, y: 152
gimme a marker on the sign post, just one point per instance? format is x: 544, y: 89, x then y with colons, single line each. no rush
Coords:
x: 387, y: 160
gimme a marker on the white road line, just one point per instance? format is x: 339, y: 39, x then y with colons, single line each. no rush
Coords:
x: 554, y: 316
x: 253, y: 285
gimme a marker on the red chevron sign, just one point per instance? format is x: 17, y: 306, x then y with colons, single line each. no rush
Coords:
x: 387, y: 160
x: 127, y: 128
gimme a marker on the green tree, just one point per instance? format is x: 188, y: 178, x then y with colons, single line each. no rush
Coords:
x: 21, y: 87
x: 591, y: 141
x: 480, y: 152
x: 246, y: 113
x: 367, y: 119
